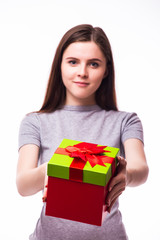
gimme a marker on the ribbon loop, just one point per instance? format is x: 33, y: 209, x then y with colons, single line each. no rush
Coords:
x: 87, y: 152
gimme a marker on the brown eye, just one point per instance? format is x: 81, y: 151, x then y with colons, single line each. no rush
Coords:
x: 94, y: 64
x: 72, y: 62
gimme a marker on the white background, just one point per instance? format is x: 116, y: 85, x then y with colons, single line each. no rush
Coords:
x: 29, y: 33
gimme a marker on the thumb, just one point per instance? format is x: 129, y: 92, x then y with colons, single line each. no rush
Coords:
x: 121, y: 163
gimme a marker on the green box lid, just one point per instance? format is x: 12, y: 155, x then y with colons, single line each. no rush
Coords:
x: 59, y: 165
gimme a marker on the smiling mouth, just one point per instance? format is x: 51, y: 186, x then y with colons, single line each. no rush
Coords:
x: 82, y: 84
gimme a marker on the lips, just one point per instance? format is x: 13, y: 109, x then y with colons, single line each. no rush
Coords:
x: 82, y: 84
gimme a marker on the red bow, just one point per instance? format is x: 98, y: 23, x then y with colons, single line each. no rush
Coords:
x: 87, y: 152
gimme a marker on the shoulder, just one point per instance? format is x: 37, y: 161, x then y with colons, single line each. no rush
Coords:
x: 128, y: 123
x: 37, y: 117
x: 31, y: 119
x: 121, y: 116
x: 129, y: 118
x: 125, y: 118
x: 131, y: 126
x: 29, y: 131
x: 38, y: 121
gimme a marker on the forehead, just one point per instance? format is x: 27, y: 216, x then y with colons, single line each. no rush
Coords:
x: 85, y: 50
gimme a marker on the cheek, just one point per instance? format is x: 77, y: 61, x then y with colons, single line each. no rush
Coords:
x: 97, y: 78
x: 64, y: 74
x: 67, y: 73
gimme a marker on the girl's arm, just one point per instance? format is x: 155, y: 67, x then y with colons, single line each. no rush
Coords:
x: 137, y: 168
x: 131, y: 172
x: 30, y: 178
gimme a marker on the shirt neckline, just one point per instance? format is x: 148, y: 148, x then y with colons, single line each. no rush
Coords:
x: 81, y: 108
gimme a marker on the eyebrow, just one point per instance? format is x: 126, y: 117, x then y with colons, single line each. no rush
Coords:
x: 92, y: 59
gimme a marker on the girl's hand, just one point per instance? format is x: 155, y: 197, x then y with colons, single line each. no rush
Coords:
x: 44, y: 198
x: 30, y: 177
x: 117, y: 184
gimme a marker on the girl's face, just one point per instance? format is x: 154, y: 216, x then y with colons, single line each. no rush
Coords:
x: 83, y: 68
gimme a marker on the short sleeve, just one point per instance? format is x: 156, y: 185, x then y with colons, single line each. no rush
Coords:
x: 131, y: 128
x: 29, y: 131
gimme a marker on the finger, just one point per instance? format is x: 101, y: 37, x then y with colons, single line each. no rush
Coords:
x: 121, y: 163
x: 120, y: 169
x: 119, y: 179
x: 46, y: 176
x: 44, y: 198
x: 46, y: 181
x: 116, y: 192
x: 114, y: 200
x: 118, y: 183
x: 110, y: 202
x: 121, y: 160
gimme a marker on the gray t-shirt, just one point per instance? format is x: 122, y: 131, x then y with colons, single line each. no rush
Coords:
x: 87, y: 124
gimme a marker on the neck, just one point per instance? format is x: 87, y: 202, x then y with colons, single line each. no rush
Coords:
x: 80, y: 102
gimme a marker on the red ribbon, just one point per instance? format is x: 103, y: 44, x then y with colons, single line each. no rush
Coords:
x: 83, y: 152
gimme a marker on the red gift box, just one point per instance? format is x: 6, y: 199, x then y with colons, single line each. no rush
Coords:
x: 78, y: 178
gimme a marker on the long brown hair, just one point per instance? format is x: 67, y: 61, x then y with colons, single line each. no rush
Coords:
x: 56, y: 93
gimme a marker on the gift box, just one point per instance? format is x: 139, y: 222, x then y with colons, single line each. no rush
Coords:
x: 78, y: 178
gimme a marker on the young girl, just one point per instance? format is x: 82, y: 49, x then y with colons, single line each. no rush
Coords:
x: 80, y: 104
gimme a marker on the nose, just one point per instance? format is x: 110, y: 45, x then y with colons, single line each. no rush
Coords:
x: 82, y: 71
